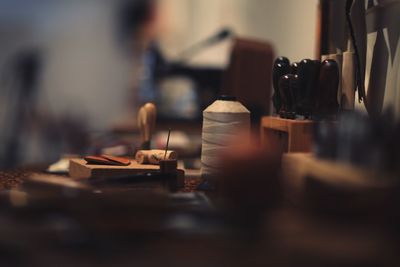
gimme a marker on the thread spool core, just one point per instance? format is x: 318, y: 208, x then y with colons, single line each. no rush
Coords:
x: 226, y: 98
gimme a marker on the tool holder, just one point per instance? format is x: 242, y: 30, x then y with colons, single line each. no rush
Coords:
x: 289, y: 135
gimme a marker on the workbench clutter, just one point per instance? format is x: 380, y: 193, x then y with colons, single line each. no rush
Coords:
x: 99, y: 168
x: 223, y: 121
x: 146, y: 166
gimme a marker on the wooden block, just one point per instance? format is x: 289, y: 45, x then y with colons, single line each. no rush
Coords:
x: 338, y: 188
x: 298, y: 166
x: 289, y: 135
x: 79, y: 169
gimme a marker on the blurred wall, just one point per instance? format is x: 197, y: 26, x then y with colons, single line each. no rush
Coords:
x: 85, y: 79
x: 86, y: 74
x: 289, y: 24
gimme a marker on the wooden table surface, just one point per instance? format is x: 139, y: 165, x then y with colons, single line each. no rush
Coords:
x: 124, y: 232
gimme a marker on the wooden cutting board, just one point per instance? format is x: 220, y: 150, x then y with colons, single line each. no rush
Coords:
x: 80, y: 169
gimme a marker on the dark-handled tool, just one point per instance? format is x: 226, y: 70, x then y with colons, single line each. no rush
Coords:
x: 308, y: 75
x: 282, y: 60
x: 294, y: 67
x: 281, y: 67
x: 326, y: 102
x: 146, y: 123
x: 289, y: 87
x: 313, y: 92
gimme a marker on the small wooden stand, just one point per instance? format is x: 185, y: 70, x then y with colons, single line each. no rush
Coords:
x: 79, y: 169
x: 289, y: 135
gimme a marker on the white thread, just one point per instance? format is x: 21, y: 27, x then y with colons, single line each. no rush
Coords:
x: 222, y: 121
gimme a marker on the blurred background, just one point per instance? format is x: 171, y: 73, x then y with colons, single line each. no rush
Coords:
x: 69, y: 68
x: 73, y: 72
x: 320, y: 192
x: 290, y: 25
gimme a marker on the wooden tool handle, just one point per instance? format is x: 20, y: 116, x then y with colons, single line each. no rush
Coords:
x: 147, y: 121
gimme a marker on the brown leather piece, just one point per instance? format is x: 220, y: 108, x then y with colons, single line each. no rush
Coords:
x: 107, y: 160
x: 98, y: 160
x: 117, y: 160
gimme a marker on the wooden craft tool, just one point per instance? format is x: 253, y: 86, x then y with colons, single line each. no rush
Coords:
x: 146, y: 123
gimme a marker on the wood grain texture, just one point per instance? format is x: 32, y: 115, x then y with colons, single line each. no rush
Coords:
x: 289, y: 135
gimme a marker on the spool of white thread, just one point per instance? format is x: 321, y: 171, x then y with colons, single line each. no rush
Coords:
x: 223, y: 120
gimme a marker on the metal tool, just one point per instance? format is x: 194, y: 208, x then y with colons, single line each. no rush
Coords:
x: 166, y: 146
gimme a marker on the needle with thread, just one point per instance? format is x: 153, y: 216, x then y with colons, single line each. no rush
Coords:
x: 166, y: 147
